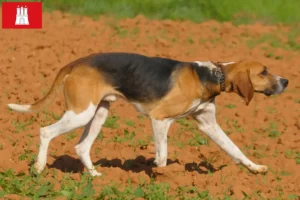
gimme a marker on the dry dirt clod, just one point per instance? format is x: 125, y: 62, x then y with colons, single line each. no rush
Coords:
x: 297, y: 124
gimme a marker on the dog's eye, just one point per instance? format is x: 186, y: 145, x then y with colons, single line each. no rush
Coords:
x: 265, y: 72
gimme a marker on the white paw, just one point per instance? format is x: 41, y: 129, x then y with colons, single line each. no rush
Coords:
x: 262, y: 168
x: 259, y: 168
x: 39, y: 167
x: 160, y: 162
x: 95, y: 173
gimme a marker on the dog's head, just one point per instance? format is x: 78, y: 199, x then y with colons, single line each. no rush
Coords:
x: 247, y: 77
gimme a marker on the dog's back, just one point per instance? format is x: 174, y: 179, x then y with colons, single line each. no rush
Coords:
x: 138, y: 77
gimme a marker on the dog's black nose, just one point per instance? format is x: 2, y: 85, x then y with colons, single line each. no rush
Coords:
x: 284, y: 82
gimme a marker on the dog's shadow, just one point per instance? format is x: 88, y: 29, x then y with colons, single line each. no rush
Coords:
x: 69, y: 164
x: 203, y: 167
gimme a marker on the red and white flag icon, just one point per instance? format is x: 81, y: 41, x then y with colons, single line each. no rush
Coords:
x: 21, y: 15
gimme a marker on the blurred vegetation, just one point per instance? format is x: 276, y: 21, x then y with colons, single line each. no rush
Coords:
x: 238, y: 11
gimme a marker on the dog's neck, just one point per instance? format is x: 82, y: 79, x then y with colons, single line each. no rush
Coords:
x: 225, y: 85
x: 221, y: 74
x: 221, y: 77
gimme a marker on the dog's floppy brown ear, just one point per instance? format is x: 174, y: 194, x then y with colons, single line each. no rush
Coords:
x: 243, y: 86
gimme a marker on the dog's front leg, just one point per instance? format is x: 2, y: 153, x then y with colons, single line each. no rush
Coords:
x: 208, y: 125
x: 160, y: 132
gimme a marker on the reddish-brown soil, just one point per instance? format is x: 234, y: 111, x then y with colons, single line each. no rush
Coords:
x: 30, y: 59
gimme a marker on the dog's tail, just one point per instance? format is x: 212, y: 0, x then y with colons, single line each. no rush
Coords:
x: 39, y: 105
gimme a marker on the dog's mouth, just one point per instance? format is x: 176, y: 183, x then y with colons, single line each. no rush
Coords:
x: 277, y: 88
x: 269, y: 92
x: 266, y: 92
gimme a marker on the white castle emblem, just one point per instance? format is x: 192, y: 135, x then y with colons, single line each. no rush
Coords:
x: 22, y: 16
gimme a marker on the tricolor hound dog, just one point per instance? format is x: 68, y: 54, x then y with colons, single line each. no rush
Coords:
x: 160, y: 88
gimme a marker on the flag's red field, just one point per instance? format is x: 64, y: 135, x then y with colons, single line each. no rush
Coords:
x: 20, y: 15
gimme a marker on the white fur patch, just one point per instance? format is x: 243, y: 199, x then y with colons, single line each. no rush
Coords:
x: 227, y: 63
x: 139, y: 107
x: 279, y: 87
x: 208, y: 64
x: 19, y: 108
x: 110, y: 98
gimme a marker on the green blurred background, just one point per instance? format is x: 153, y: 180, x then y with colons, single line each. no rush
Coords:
x: 237, y: 11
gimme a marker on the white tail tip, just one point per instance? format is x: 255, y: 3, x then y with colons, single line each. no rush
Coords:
x: 20, y: 108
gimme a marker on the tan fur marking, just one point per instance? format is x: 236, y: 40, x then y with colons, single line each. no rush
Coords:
x: 186, y: 88
x: 85, y: 85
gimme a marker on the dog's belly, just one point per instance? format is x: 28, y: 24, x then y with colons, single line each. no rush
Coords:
x: 145, y: 109
x: 196, y: 106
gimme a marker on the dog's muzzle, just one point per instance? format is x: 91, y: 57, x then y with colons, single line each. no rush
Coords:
x: 280, y: 86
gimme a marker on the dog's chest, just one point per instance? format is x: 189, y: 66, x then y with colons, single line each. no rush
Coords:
x: 196, y: 106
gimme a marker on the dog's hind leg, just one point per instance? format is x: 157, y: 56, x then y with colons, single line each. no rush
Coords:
x: 68, y: 122
x: 89, y: 135
x: 82, y: 96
